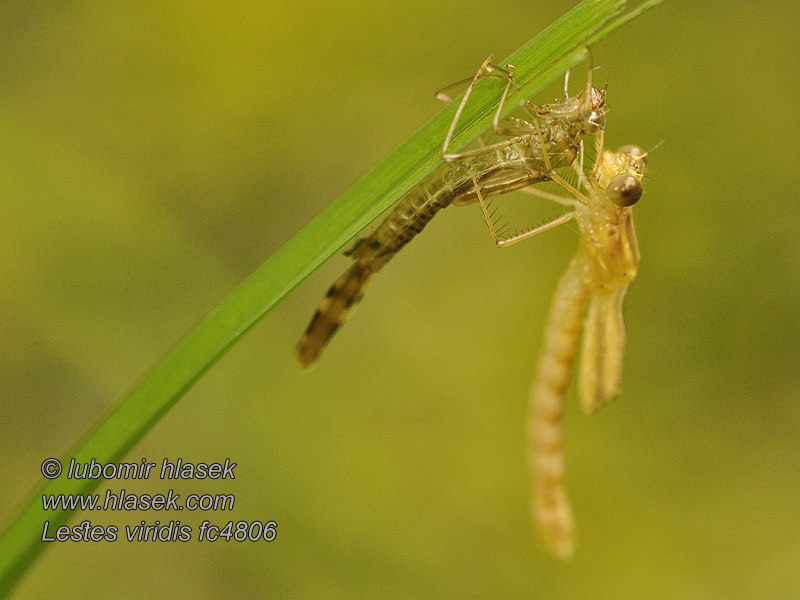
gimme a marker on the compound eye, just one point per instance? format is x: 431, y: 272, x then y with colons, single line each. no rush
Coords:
x: 634, y: 151
x: 624, y: 190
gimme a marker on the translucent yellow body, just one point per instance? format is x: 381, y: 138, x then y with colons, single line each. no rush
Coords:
x: 599, y: 277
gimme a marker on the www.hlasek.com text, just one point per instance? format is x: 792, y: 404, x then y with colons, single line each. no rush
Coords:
x: 127, y: 501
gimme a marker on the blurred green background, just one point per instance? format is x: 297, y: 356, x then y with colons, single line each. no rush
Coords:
x: 152, y: 155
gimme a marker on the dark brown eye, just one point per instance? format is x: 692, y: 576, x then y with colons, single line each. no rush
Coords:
x: 624, y: 190
x: 634, y: 151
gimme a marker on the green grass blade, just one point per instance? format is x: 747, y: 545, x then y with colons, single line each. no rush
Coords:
x: 540, y: 61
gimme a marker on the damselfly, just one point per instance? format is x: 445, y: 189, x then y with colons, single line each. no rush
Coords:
x: 598, y: 277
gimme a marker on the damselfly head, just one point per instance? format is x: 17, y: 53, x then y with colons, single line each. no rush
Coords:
x: 621, y: 175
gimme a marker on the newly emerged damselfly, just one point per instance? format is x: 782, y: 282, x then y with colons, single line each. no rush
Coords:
x: 598, y: 277
x: 529, y: 152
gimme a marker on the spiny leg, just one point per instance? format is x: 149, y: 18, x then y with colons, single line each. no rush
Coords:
x: 565, y: 218
x: 536, y: 230
x: 484, y: 210
x: 555, y: 177
x: 502, y: 243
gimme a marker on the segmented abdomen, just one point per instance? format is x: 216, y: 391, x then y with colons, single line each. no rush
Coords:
x: 406, y: 219
x: 550, y: 507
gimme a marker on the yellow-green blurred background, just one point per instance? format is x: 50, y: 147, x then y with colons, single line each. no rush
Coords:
x: 153, y: 154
